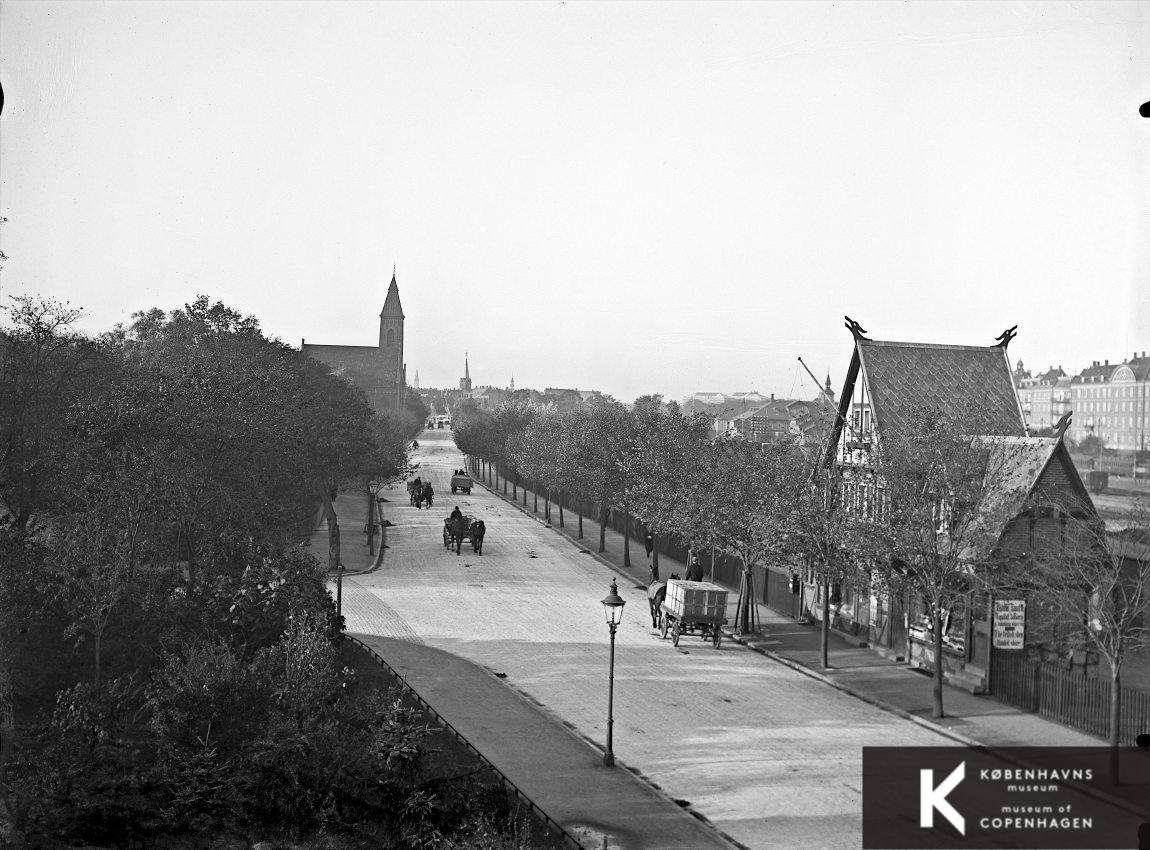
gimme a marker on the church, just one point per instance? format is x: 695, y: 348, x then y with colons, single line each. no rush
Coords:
x: 378, y: 370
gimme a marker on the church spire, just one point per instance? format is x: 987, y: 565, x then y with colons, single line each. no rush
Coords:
x: 391, y: 306
x: 465, y: 381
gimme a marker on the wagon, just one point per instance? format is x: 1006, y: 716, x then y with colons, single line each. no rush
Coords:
x: 462, y: 482
x: 693, y: 607
x: 467, y: 519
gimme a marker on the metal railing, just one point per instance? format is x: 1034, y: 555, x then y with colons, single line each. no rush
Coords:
x: 1068, y: 697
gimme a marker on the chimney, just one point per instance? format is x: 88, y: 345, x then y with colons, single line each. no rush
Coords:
x: 772, y: 396
x: 1107, y: 362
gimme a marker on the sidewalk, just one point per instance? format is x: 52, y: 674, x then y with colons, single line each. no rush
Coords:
x: 863, y: 673
x: 557, y: 769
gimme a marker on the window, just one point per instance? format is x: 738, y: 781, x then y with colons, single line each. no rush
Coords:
x: 390, y: 338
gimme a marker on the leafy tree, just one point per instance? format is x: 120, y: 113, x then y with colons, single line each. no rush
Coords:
x: 509, y: 421
x: 474, y: 432
x: 1099, y: 582
x: 1091, y: 445
x: 536, y: 454
x: 44, y: 367
x: 825, y: 533
x: 595, y: 440
x: 742, y: 504
x: 663, y: 466
x: 943, y: 497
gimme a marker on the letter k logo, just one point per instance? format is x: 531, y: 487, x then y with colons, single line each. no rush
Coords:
x: 931, y: 798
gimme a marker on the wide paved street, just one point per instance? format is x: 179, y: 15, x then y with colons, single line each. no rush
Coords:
x: 771, y: 757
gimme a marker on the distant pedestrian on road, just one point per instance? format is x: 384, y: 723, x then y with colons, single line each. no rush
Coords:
x: 648, y: 543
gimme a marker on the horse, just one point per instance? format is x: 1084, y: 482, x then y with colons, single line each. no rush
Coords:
x: 427, y: 494
x: 656, y: 593
x: 457, y: 528
x: 478, y: 529
x: 415, y: 492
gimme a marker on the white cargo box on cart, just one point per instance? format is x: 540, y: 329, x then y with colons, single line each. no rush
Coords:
x: 696, y: 600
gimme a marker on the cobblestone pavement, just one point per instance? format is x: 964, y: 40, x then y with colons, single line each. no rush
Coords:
x: 768, y: 755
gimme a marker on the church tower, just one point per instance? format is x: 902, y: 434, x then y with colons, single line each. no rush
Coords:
x: 391, y: 340
x: 465, y: 381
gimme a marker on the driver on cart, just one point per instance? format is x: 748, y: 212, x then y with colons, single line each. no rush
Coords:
x: 457, y: 513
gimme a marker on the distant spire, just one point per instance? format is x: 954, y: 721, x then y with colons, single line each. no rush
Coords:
x: 513, y: 382
x: 465, y: 381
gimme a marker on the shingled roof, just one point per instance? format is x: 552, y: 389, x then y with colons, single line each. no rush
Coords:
x: 973, y: 385
x: 970, y: 383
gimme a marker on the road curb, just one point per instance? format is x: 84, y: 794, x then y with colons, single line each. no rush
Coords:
x: 846, y: 689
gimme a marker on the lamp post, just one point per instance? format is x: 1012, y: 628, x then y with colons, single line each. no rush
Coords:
x: 613, y: 609
x: 373, y: 488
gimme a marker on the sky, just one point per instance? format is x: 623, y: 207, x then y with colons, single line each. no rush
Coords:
x: 630, y: 197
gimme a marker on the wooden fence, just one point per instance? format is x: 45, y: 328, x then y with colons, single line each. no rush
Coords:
x: 1070, y: 697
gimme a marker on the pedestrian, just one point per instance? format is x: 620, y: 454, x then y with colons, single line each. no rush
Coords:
x: 694, y: 568
x: 648, y: 543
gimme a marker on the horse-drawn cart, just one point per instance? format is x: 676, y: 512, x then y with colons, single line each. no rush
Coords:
x: 460, y: 529
x: 462, y: 482
x: 693, y: 607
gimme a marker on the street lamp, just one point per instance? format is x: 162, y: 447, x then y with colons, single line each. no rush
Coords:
x: 373, y: 488
x: 613, y: 609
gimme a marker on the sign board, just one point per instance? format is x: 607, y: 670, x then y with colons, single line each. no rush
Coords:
x: 1009, y: 623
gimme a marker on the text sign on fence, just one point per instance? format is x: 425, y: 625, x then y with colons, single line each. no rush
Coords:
x: 1009, y: 623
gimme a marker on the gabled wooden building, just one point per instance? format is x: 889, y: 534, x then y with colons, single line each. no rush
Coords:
x: 1034, y: 494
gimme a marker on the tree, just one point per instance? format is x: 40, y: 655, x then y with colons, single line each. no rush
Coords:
x: 44, y: 368
x: 662, y: 466
x: 742, y: 504
x: 509, y: 421
x: 596, y: 437
x: 474, y: 432
x: 1098, y: 582
x: 535, y: 453
x: 941, y: 496
x: 825, y: 534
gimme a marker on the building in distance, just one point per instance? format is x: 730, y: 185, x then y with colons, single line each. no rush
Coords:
x: 379, y: 369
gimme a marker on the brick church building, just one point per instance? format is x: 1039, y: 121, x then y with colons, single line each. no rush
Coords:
x: 378, y: 370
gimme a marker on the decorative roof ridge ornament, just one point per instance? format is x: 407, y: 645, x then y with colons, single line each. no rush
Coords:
x: 1005, y: 337
x: 855, y: 328
x: 1063, y: 424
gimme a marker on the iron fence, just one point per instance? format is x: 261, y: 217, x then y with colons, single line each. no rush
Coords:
x: 1070, y: 697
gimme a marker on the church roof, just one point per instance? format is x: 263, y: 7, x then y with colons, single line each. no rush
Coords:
x: 391, y: 306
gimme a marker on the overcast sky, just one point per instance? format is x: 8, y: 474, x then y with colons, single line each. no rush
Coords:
x: 627, y: 197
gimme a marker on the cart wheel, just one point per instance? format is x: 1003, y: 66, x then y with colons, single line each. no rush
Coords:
x: 675, y: 631
x: 664, y: 624
x: 718, y: 637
